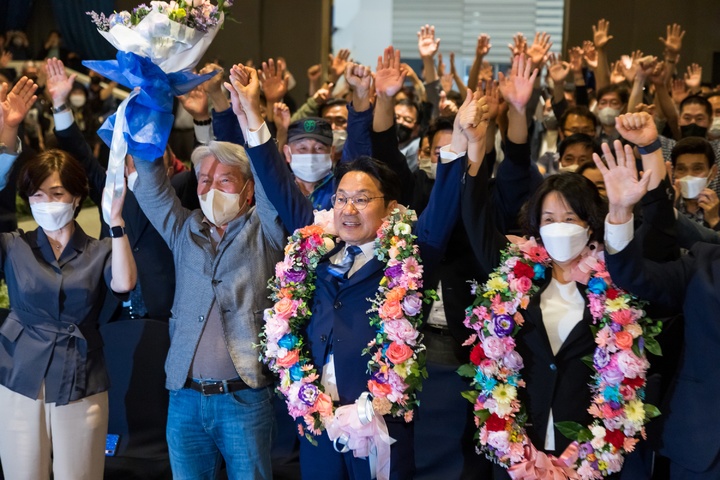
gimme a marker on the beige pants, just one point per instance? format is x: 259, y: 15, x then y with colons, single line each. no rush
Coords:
x: 32, y: 432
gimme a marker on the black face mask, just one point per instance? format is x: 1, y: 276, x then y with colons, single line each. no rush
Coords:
x: 403, y: 133
x: 693, y: 130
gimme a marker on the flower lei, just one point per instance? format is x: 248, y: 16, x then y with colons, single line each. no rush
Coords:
x: 622, y: 333
x: 397, y: 357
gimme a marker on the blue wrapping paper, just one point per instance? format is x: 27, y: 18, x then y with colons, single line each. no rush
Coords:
x: 149, y: 114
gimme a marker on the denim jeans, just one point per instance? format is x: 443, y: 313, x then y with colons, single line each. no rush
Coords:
x: 239, y: 426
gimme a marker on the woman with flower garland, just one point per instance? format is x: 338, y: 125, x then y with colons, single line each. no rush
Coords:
x: 532, y: 327
x: 323, y: 365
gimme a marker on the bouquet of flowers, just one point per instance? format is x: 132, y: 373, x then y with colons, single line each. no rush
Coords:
x: 158, y: 45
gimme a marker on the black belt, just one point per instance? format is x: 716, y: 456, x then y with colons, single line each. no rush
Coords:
x: 216, y: 387
x: 444, y: 331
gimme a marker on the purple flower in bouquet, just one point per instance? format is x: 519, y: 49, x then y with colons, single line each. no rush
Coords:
x: 601, y: 358
x: 295, y: 276
x: 394, y: 271
x: 411, y: 305
x: 503, y: 325
x: 308, y: 394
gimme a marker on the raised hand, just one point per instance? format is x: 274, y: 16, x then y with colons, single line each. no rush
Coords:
x: 537, y: 53
x: 679, y: 91
x: 427, y: 43
x: 492, y: 99
x: 389, y: 76
x: 558, y: 69
x: 616, y: 72
x: 673, y: 40
x: 660, y: 74
x: 575, y: 55
x: 213, y: 85
x: 622, y: 185
x: 645, y: 66
x: 446, y: 79
x: 314, y: 73
x: 600, y: 34
x: 518, y: 46
x: 709, y: 202
x: 453, y: 70
x: 590, y: 54
x: 275, y: 84
x: 483, y: 45
x: 59, y: 84
x: 244, y: 88
x: 5, y: 58
x: 17, y: 103
x: 359, y: 77
x: 472, y: 117
x: 517, y: 87
x: 446, y: 107
x: 322, y: 95
x: 638, y: 128
x: 649, y: 109
x: 338, y: 64
x: 281, y: 116
x: 693, y: 77
x: 196, y: 103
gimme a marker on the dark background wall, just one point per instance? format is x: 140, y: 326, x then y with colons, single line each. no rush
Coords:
x: 292, y: 28
x: 637, y: 24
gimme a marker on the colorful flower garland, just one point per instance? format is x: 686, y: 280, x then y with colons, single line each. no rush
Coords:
x: 622, y: 333
x: 397, y: 357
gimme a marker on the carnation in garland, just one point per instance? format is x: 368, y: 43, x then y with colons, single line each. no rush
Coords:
x: 623, y: 336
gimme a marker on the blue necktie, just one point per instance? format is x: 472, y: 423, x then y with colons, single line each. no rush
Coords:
x: 340, y: 270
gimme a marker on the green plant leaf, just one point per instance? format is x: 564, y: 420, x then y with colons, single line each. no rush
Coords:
x: 470, y: 395
x: 569, y: 429
x: 467, y: 370
x: 651, y: 411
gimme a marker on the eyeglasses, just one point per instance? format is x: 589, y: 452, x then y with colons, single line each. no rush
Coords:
x: 359, y: 201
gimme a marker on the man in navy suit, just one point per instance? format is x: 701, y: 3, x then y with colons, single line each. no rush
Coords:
x: 688, y: 285
x: 339, y: 329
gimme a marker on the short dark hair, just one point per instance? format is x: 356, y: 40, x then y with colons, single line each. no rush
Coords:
x: 692, y: 145
x: 389, y: 180
x: 455, y: 97
x: 581, y: 139
x: 580, y: 111
x: 332, y: 102
x: 697, y: 100
x: 621, y: 91
x: 409, y: 103
x: 438, y: 125
x: 585, y: 166
x: 581, y: 195
x: 39, y: 168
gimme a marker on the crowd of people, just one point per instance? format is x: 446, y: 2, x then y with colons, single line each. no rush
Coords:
x: 549, y: 150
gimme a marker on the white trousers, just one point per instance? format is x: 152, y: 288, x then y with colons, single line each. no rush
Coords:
x: 34, y: 433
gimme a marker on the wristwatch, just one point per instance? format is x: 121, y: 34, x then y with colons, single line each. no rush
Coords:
x: 117, y: 232
x: 61, y: 108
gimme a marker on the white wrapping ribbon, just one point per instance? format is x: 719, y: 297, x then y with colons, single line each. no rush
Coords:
x: 115, y: 179
x: 357, y: 428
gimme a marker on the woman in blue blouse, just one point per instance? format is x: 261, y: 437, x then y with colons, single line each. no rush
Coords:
x: 53, y: 383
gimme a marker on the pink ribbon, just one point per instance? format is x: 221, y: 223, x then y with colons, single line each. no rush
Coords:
x: 540, y: 466
x: 357, y: 428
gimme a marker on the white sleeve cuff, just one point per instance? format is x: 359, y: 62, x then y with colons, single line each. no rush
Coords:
x: 203, y: 133
x: 617, y: 237
x: 63, y: 120
x: 259, y: 136
x: 447, y: 155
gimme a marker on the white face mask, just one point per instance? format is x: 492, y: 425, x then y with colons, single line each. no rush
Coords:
x: 77, y: 101
x: 311, y: 167
x: 339, y: 139
x: 690, y: 187
x: 608, y: 115
x: 564, y: 241
x: 714, y: 130
x: 131, y: 179
x: 220, y: 207
x: 433, y: 171
x: 569, y: 168
x: 52, y: 216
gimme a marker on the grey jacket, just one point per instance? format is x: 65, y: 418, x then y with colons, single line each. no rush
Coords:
x: 236, y: 275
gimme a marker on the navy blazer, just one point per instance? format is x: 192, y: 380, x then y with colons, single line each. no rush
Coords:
x: 690, y: 285
x: 339, y: 312
x: 558, y: 382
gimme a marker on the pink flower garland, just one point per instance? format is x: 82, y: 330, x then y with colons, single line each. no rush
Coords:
x: 622, y: 333
x: 397, y: 361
